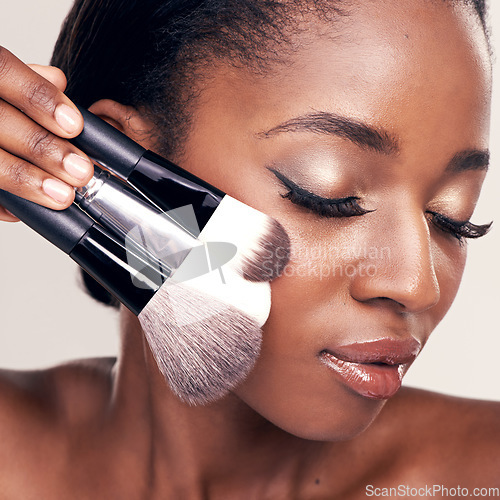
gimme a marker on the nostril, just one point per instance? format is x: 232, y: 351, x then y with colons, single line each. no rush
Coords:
x: 383, y: 302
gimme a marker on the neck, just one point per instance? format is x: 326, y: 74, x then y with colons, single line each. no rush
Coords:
x: 222, y: 445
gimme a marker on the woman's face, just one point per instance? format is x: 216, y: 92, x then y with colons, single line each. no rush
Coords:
x: 389, y: 105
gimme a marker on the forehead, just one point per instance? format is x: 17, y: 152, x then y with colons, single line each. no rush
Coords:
x: 418, y: 68
x: 414, y: 39
x: 397, y: 56
x: 380, y: 47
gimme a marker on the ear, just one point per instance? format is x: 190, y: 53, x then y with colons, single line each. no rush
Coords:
x: 126, y: 119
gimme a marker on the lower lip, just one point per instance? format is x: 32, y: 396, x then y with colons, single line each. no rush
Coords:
x: 367, y: 379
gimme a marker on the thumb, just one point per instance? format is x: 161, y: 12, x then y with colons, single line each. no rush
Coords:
x: 52, y: 74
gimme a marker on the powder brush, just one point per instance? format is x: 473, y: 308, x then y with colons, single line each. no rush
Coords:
x: 163, y: 239
x: 203, y: 346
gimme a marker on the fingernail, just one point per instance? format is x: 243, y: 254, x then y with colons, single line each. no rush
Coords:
x: 57, y: 190
x: 67, y: 118
x: 77, y: 167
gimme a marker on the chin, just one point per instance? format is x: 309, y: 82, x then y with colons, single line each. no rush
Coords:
x: 315, y: 419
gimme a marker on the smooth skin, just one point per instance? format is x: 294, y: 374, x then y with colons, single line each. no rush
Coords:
x: 418, y: 70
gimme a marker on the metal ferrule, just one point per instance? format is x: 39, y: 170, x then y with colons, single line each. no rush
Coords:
x: 85, y: 195
x: 140, y: 226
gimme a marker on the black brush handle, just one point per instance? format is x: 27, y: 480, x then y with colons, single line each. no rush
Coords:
x: 169, y: 187
x: 106, y: 260
x: 164, y: 183
x: 62, y: 228
x: 107, y: 145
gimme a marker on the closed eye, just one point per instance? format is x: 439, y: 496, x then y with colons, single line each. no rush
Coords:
x: 459, y: 229
x: 324, y: 207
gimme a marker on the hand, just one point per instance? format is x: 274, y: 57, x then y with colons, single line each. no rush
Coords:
x: 36, y: 162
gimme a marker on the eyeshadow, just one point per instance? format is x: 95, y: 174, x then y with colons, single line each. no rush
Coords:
x: 319, y: 171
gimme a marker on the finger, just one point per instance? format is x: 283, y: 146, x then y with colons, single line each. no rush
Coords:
x: 27, y: 181
x: 22, y: 137
x: 35, y: 96
x: 6, y: 216
x: 52, y: 74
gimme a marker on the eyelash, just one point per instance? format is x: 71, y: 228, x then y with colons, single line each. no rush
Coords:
x: 324, y: 207
x: 460, y: 230
x: 349, y: 207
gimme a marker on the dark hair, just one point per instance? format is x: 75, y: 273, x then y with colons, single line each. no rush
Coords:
x: 153, y: 54
x: 481, y: 8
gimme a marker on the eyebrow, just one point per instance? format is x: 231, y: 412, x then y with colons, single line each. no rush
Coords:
x: 472, y: 159
x: 368, y: 137
x: 359, y: 133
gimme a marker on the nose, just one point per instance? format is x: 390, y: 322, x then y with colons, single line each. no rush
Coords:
x: 402, y: 267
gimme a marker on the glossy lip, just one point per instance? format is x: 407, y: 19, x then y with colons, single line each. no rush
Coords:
x: 373, y: 369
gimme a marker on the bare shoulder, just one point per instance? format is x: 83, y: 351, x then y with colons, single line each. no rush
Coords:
x: 82, y: 389
x: 448, y: 416
x: 446, y: 439
x: 38, y: 406
x: 71, y: 390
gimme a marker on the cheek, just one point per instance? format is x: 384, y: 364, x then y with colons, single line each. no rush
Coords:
x: 289, y: 386
x: 310, y: 301
x: 449, y: 262
x: 312, y: 307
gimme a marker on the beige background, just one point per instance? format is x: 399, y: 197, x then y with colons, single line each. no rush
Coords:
x: 45, y: 318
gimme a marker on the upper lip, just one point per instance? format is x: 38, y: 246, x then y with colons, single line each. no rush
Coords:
x: 386, y: 350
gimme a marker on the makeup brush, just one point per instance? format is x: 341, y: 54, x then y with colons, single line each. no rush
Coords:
x: 261, y: 239
x: 202, y: 346
x: 159, y: 238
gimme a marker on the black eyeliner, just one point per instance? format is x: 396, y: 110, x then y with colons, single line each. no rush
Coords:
x: 348, y: 207
x: 325, y: 207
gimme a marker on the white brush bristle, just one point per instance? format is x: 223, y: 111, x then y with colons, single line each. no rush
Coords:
x: 205, y: 333
x: 203, y: 347
x: 263, y: 245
